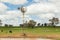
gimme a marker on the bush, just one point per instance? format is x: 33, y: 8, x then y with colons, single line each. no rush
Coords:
x: 10, y: 25
x: 1, y: 30
x: 10, y: 31
x: 6, y: 25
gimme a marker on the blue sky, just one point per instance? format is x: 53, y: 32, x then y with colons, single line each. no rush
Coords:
x: 39, y: 10
x: 13, y: 6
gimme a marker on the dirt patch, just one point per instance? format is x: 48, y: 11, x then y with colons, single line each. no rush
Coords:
x: 52, y: 36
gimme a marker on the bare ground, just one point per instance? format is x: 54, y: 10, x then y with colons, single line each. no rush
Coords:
x: 52, y: 36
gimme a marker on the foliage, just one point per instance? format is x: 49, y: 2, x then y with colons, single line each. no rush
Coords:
x: 54, y: 21
x: 10, y: 25
x: 45, y: 24
x: 38, y: 24
x: 10, y: 31
x: 6, y: 25
x: 31, y: 23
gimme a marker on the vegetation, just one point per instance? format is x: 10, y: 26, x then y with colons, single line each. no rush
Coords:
x: 54, y: 21
x: 6, y: 25
x: 36, y: 30
x: 40, y: 29
x: 38, y: 24
x: 31, y: 23
x: 43, y: 31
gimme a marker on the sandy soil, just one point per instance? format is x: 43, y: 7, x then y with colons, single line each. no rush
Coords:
x: 52, y: 36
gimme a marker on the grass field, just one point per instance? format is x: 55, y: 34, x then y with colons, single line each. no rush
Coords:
x: 42, y: 31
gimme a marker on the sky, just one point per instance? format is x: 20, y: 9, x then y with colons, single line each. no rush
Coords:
x: 38, y: 10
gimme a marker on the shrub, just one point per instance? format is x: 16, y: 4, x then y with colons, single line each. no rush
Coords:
x: 6, y: 25
x: 1, y: 30
x: 10, y: 31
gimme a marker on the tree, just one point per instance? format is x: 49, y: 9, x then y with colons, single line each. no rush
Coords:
x: 42, y: 25
x: 21, y: 25
x: 6, y: 25
x: 45, y: 24
x: 54, y: 21
x: 0, y: 23
x: 10, y: 25
x: 31, y: 23
x: 38, y: 24
x: 24, y: 25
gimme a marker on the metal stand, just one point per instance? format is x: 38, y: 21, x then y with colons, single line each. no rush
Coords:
x: 23, y: 10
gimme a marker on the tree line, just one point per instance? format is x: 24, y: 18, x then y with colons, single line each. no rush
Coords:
x: 53, y: 22
x: 31, y: 23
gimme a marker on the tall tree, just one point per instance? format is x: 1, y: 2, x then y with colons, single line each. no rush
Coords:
x: 54, y: 21
x: 0, y: 22
x: 6, y: 25
x: 38, y: 24
x: 45, y: 24
x: 31, y: 23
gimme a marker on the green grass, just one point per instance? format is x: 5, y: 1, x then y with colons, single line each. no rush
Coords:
x: 38, y: 30
x: 44, y: 30
x: 41, y: 30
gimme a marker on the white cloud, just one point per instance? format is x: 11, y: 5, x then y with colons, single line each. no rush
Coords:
x: 48, y: 15
x: 41, y: 1
x: 39, y: 8
x: 55, y: 2
x: 43, y: 10
x: 13, y: 21
x: 15, y: 13
x: 15, y: 1
x: 2, y: 6
x: 3, y: 9
x: 13, y: 17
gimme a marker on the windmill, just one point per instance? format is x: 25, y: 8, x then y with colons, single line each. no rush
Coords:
x: 23, y: 10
